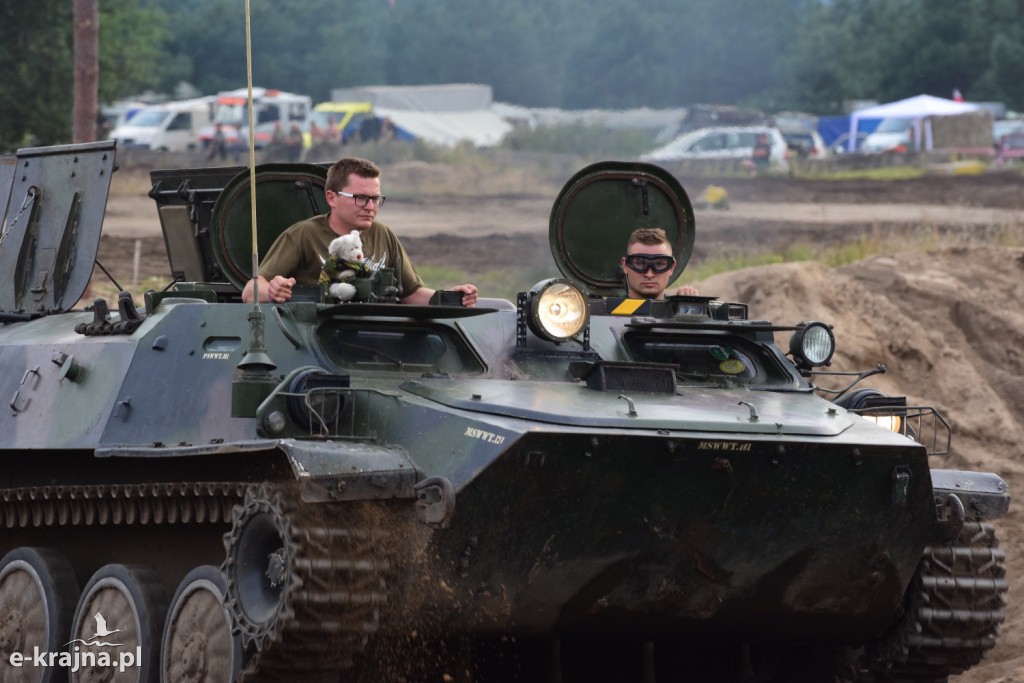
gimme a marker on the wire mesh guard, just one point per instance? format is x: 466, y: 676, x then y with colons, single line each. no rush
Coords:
x: 923, y: 424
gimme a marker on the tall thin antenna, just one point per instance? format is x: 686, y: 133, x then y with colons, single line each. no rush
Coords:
x: 252, y: 158
x: 256, y: 363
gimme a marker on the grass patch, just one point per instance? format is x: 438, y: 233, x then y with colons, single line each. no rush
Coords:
x: 591, y: 140
x: 880, y: 173
x: 1012, y: 237
x: 794, y: 253
x: 727, y: 265
x: 864, y: 247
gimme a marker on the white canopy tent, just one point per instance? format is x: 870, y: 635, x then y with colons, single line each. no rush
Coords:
x: 918, y: 108
x: 483, y: 128
x: 443, y: 114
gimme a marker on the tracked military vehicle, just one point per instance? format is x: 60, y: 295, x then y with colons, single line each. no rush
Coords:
x: 570, y: 486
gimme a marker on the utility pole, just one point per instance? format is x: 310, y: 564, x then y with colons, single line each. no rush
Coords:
x: 87, y: 70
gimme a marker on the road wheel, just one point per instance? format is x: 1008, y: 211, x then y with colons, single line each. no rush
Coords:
x: 197, y: 645
x: 38, y: 593
x: 119, y: 620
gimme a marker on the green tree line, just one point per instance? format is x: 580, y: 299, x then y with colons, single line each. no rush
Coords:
x: 809, y: 55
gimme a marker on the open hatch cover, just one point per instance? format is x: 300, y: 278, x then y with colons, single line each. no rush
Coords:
x: 54, y: 199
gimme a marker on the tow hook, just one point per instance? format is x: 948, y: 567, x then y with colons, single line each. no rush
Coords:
x: 435, y: 502
x: 951, y: 516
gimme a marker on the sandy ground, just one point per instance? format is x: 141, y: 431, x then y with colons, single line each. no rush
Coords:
x: 949, y: 326
x: 946, y: 315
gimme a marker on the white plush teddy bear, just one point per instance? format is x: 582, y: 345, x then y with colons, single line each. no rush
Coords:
x: 346, y: 262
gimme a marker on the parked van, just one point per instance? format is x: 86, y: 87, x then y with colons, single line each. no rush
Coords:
x: 115, y: 115
x: 272, y: 110
x: 891, y: 135
x: 169, y: 127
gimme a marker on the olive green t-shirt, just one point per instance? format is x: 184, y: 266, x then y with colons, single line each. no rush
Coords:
x: 301, y: 250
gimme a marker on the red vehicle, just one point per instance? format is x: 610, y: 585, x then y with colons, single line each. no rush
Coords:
x: 1011, y: 147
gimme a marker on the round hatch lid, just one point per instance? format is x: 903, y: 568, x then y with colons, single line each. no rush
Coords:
x: 601, y: 205
x: 285, y: 194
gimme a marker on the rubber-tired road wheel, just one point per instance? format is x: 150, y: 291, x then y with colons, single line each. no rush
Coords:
x: 38, y: 593
x: 197, y: 645
x: 120, y: 615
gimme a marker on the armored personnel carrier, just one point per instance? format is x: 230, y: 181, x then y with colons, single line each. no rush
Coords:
x: 572, y: 486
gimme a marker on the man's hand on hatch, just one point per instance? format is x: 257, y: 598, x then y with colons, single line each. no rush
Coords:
x: 280, y: 289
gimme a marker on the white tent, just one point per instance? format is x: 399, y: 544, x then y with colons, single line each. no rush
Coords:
x: 483, y: 128
x: 917, y: 108
x: 443, y: 114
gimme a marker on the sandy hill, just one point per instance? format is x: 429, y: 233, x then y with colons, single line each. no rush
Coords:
x: 949, y: 327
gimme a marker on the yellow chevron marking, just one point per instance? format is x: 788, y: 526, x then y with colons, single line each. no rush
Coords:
x: 628, y: 306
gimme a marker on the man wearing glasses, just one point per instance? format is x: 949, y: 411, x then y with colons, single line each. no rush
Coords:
x: 648, y: 265
x: 297, y: 255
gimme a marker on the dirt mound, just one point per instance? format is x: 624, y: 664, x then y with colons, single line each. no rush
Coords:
x: 949, y: 327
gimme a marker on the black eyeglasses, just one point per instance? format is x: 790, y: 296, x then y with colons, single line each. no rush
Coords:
x: 639, y: 263
x: 362, y: 200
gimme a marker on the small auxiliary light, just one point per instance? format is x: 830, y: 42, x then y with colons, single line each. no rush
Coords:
x: 812, y: 345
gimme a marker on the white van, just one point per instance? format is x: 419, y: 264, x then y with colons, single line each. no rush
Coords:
x: 891, y: 135
x: 169, y: 127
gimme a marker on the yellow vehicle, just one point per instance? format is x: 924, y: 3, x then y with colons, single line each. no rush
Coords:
x: 345, y: 117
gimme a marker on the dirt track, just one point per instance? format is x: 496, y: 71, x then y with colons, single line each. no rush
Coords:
x: 946, y: 320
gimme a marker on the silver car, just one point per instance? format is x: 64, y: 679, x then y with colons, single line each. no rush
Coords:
x: 724, y: 142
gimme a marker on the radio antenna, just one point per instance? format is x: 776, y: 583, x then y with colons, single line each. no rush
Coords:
x: 256, y: 363
x: 252, y: 156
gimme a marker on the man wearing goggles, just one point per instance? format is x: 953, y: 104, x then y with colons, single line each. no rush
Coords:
x: 298, y: 253
x: 648, y: 265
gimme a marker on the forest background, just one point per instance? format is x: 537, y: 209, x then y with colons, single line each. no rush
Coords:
x: 807, y: 55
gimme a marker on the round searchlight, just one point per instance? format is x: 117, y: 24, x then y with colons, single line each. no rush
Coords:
x: 558, y: 310
x: 812, y: 345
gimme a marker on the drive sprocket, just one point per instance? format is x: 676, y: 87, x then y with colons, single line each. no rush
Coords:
x: 305, y: 583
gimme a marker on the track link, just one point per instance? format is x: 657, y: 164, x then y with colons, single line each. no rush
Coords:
x: 953, y: 612
x: 330, y: 580
x: 117, y: 504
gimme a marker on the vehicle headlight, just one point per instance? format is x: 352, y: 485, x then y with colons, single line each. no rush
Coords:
x: 871, y: 404
x: 812, y: 345
x: 558, y: 310
x: 891, y: 422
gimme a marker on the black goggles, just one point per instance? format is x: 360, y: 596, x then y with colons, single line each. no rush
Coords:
x: 639, y: 263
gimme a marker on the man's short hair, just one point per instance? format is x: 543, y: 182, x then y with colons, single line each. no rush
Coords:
x: 650, y: 236
x: 340, y: 170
